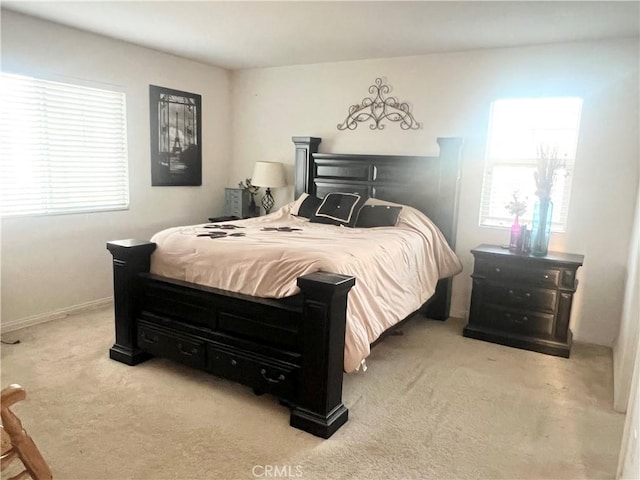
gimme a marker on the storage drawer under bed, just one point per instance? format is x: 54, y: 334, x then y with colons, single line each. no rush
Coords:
x: 171, y: 344
x: 265, y: 374
x: 262, y: 373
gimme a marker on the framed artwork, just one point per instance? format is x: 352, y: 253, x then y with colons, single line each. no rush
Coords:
x: 176, y: 137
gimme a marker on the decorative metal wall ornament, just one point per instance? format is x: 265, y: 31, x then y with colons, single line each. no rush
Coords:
x: 377, y: 108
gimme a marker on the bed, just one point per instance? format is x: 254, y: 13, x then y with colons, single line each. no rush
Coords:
x: 292, y: 347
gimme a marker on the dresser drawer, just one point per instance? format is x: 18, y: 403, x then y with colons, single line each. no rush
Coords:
x: 524, y: 298
x: 182, y: 348
x: 237, y: 202
x: 263, y: 374
x: 503, y: 272
x: 518, y: 322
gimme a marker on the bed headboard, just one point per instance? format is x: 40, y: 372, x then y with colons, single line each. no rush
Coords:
x: 430, y: 184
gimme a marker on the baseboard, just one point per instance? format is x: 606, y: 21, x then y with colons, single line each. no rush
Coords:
x: 55, y: 315
x: 458, y: 313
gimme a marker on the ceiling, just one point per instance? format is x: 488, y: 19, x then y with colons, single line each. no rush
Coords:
x: 240, y: 34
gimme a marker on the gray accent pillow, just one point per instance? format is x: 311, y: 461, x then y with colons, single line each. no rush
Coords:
x: 378, y: 216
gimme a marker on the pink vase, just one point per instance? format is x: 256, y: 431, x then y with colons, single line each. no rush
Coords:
x: 515, y: 234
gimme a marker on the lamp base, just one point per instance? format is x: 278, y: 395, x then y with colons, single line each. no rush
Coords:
x: 267, y: 201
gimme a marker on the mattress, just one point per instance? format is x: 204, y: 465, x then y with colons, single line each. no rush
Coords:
x: 396, y: 268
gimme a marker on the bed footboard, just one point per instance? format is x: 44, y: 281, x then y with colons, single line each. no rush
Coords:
x: 319, y: 408
x: 130, y: 257
x: 293, y: 352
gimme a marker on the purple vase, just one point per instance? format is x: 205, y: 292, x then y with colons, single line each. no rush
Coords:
x: 515, y: 234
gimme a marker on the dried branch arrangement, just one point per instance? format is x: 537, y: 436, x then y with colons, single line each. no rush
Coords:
x: 548, y: 163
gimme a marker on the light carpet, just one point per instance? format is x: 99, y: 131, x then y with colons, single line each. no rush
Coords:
x: 432, y: 405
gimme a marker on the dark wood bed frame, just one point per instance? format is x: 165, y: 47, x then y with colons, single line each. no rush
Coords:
x: 291, y: 348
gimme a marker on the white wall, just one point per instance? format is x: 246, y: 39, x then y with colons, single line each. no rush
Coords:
x: 450, y: 95
x: 625, y: 347
x: 54, y: 262
x: 626, y: 362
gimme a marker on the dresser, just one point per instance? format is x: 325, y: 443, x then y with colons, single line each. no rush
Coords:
x: 237, y: 201
x: 521, y: 300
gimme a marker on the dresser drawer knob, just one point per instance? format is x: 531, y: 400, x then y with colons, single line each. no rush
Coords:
x: 497, y: 270
x: 546, y: 277
x: 279, y: 379
x: 234, y: 362
x: 527, y: 295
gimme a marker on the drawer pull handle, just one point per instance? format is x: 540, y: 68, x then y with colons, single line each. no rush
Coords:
x: 546, y: 277
x: 280, y: 378
x: 497, y: 270
x: 527, y: 295
x: 234, y: 362
x: 190, y: 352
x: 521, y: 320
x: 149, y: 339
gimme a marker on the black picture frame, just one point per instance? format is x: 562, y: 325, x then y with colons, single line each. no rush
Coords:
x: 176, y: 137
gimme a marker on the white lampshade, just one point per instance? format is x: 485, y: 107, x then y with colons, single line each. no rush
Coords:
x: 268, y: 174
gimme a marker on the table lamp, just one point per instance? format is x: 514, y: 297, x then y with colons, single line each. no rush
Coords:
x: 269, y: 175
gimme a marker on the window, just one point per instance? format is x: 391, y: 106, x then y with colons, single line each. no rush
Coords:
x: 518, y: 128
x: 63, y: 148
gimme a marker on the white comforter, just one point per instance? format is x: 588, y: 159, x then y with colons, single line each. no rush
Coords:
x: 396, y: 268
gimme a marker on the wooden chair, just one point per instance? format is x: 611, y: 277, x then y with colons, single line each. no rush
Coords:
x: 21, y: 446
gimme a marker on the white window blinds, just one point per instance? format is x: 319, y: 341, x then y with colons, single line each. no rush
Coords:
x: 63, y: 148
x: 517, y: 130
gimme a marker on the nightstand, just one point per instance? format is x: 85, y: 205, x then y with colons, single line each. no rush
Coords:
x: 523, y: 301
x: 237, y: 202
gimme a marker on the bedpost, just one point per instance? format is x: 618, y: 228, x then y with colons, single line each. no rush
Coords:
x: 305, y: 148
x: 318, y: 407
x: 130, y: 257
x: 440, y: 303
x: 449, y: 191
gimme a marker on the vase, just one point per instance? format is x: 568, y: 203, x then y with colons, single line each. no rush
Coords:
x: 541, y: 230
x: 515, y: 234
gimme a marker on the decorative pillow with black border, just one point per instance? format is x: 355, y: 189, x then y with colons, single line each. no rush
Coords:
x: 378, y: 216
x: 339, y: 209
x: 305, y: 206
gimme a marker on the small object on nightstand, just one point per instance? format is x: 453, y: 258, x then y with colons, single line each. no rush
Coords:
x: 523, y: 301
